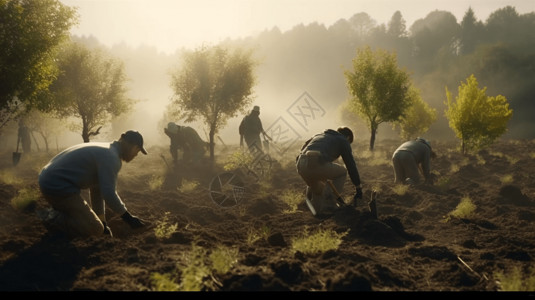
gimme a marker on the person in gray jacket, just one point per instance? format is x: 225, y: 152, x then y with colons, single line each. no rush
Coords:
x: 315, y: 165
x: 410, y: 159
x: 92, y: 166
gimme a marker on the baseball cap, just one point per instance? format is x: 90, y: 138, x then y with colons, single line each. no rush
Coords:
x: 134, y: 138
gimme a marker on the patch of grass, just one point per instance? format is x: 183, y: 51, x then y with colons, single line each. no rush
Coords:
x: 188, y: 186
x: 463, y: 210
x: 196, y: 269
x: 25, y: 197
x: 318, y: 242
x: 512, y: 160
x: 237, y: 160
x: 494, y: 153
x: 164, y: 229
x: 400, y: 189
x: 454, y: 168
x: 164, y: 282
x: 223, y: 259
x: 254, y: 234
x: 443, y: 183
x: 7, y: 177
x: 156, y: 182
x: 506, y: 179
x: 292, y: 198
x: 515, y: 281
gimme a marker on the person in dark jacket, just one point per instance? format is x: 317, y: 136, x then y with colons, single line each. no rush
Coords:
x: 250, y: 130
x: 316, y: 164
x: 186, y: 139
x: 410, y: 159
x: 92, y: 166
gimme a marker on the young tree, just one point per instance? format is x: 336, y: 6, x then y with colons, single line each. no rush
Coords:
x: 215, y: 85
x: 90, y: 87
x: 417, y: 118
x: 30, y: 31
x: 378, y: 88
x: 478, y: 120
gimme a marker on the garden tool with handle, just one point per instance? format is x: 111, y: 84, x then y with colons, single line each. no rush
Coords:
x: 339, y: 200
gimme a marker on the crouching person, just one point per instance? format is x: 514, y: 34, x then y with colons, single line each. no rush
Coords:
x: 410, y: 159
x: 92, y: 166
x: 316, y: 164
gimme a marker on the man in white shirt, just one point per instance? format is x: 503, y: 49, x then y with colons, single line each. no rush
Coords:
x: 92, y: 166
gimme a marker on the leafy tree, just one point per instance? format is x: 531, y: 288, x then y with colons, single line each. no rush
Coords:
x: 396, y: 25
x: 434, y: 40
x: 478, y: 120
x: 417, y: 118
x: 470, y: 32
x: 90, y: 86
x: 215, y: 85
x: 379, y: 89
x: 362, y: 23
x: 30, y: 31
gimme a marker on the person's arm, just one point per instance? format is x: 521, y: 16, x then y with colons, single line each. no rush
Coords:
x: 108, y: 169
x: 349, y: 161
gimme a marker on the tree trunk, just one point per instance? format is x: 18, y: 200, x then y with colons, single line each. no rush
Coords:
x: 372, y: 138
x: 85, y: 135
x: 35, y: 141
x: 212, y: 146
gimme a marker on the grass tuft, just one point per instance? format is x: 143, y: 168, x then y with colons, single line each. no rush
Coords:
x: 400, y: 189
x: 320, y: 241
x: 164, y: 229
x: 515, y: 281
x: 25, y: 197
x: 463, y: 210
x: 292, y: 198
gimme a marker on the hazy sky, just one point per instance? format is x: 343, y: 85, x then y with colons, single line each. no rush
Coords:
x: 172, y: 24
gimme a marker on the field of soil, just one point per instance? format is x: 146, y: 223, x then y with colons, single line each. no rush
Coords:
x: 417, y: 242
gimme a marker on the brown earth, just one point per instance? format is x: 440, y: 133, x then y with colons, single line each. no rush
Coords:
x: 412, y: 246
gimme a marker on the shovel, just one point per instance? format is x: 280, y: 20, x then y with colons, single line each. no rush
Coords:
x: 16, y: 155
x: 339, y: 200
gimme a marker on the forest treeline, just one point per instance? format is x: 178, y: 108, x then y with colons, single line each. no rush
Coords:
x: 437, y: 50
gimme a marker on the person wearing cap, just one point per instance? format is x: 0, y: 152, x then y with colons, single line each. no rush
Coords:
x: 250, y: 129
x: 316, y: 164
x: 93, y: 166
x: 187, y: 139
x: 411, y: 158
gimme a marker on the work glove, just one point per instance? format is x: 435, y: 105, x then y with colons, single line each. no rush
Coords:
x: 133, y: 221
x: 107, y: 230
x: 358, y: 195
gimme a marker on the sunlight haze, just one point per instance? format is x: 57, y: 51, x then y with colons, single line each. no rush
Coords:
x: 169, y: 25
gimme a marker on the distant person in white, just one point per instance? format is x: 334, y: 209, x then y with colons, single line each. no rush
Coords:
x: 92, y: 166
x: 411, y: 158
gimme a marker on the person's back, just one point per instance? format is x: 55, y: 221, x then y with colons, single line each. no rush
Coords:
x: 420, y: 151
x: 315, y: 164
x: 252, y: 125
x: 193, y: 139
x: 408, y: 158
x: 83, y: 166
